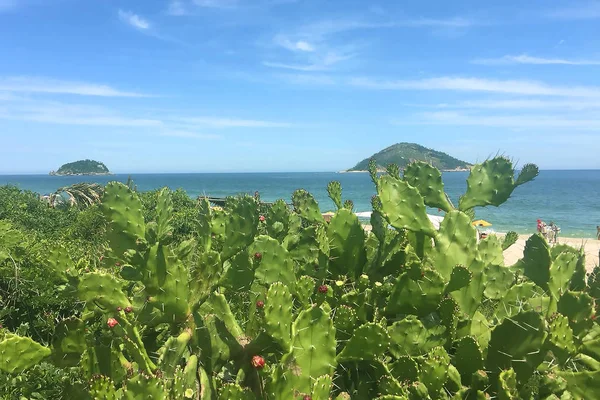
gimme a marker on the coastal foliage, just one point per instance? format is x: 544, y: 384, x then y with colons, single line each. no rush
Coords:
x: 83, y: 167
x: 283, y: 304
x: 402, y: 154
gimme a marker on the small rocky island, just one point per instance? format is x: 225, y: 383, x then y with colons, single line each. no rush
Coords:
x: 404, y: 153
x: 82, y: 167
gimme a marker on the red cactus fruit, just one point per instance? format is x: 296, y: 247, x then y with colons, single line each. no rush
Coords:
x: 112, y: 322
x: 262, y: 218
x: 258, y: 362
x: 306, y: 397
x: 257, y: 256
x: 323, y: 289
x: 128, y: 309
x: 260, y: 304
x: 119, y: 308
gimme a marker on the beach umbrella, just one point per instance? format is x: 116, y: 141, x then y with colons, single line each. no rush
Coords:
x: 481, y: 222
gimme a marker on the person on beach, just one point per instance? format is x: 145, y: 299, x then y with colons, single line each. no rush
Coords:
x: 598, y: 232
x: 539, y: 225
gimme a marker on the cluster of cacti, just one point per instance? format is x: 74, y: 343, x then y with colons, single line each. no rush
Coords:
x: 283, y: 305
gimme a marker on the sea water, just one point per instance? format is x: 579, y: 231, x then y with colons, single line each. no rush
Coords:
x: 569, y: 198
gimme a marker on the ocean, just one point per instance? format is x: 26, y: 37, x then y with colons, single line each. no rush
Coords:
x: 569, y: 198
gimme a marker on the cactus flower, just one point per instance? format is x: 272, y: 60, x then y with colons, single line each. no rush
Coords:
x: 128, y: 309
x: 258, y: 362
x: 262, y: 218
x: 112, y: 322
x: 323, y: 289
x: 260, y: 304
x: 257, y: 256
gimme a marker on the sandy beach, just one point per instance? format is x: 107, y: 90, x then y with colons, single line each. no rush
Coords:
x: 515, y: 252
x: 591, y: 247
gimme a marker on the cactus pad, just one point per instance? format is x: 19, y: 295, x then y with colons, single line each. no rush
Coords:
x: 489, y: 183
x: 346, y: 240
x: 278, y: 314
x: 306, y: 206
x: 20, y: 353
x: 517, y: 343
x: 404, y: 206
x: 416, y: 296
x: 368, y: 342
x: 468, y: 358
x: 312, y: 354
x: 428, y: 181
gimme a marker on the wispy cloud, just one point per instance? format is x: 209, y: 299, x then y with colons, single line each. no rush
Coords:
x: 293, y: 45
x: 235, y: 4
x: 190, y: 135
x: 455, y: 22
x: 216, y: 3
x: 521, y: 87
x: 215, y: 122
x: 42, y: 85
x: 520, y: 104
x: 70, y: 114
x: 525, y: 59
x: 60, y: 113
x: 307, y: 79
x: 501, y: 121
x: 177, y: 8
x: 323, y: 63
x: 134, y: 20
x: 314, y: 40
x: 581, y: 10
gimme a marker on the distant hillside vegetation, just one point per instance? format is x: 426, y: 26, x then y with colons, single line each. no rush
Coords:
x: 82, y: 167
x: 404, y: 153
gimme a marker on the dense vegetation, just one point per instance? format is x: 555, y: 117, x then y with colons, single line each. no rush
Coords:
x: 83, y: 167
x: 157, y: 296
x: 403, y: 154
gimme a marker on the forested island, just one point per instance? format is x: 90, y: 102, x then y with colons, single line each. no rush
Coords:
x: 403, y: 154
x: 82, y: 167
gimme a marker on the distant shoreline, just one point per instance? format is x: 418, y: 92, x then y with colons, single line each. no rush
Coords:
x: 383, y: 170
x: 81, y: 174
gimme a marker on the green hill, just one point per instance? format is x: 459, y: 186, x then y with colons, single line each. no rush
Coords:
x: 82, y: 167
x: 404, y: 153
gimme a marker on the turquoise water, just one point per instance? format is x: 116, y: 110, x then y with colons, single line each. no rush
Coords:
x: 569, y: 198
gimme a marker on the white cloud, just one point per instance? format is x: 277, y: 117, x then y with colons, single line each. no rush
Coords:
x: 307, y: 79
x: 215, y: 122
x: 293, y: 45
x: 52, y: 112
x: 190, y: 135
x: 134, y: 20
x: 70, y: 114
x: 216, y: 3
x: 320, y: 63
x: 42, y: 85
x: 304, y: 46
x: 522, y: 104
x: 456, y: 22
x: 501, y: 121
x: 525, y: 59
x: 521, y: 87
x: 581, y: 10
x: 176, y: 7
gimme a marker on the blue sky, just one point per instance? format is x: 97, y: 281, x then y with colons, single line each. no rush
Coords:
x: 295, y: 85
